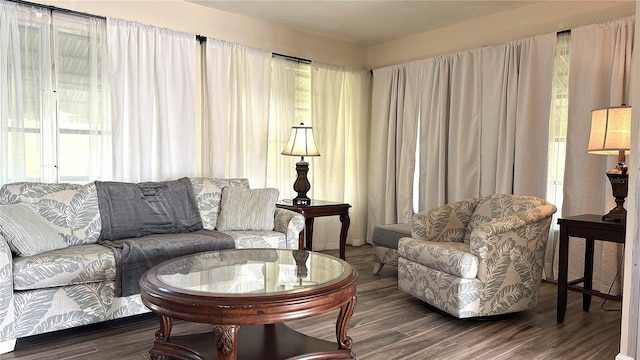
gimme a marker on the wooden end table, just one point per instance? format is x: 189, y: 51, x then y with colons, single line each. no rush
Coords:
x: 246, y: 294
x: 320, y: 208
x: 590, y: 227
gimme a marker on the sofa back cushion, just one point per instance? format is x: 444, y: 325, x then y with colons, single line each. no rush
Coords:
x: 498, y: 206
x: 70, y: 209
x: 208, y: 192
x: 130, y: 210
x: 246, y: 209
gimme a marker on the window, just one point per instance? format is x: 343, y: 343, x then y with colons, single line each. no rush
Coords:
x: 57, y: 125
x: 558, y: 121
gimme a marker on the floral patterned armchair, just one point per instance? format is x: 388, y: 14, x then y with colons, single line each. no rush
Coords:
x: 477, y: 257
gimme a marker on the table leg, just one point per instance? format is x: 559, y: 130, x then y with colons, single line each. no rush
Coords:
x: 588, y: 273
x: 308, y: 230
x: 165, y: 328
x: 225, y: 340
x: 563, y: 258
x: 301, y: 240
x: 344, y: 341
x: 344, y: 219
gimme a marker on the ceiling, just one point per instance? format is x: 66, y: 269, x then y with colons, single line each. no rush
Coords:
x: 365, y: 22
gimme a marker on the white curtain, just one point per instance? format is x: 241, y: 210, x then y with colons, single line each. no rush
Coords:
x: 21, y: 104
x: 283, y: 114
x: 482, y: 120
x: 153, y: 101
x: 54, y: 96
x: 83, y: 118
x: 600, y: 76
x: 236, y: 114
x: 340, y: 112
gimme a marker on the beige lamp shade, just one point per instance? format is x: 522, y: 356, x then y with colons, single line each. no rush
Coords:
x: 301, y: 142
x: 610, y: 131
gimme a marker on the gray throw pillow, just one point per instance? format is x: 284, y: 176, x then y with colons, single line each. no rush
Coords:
x: 247, y: 209
x: 26, y: 232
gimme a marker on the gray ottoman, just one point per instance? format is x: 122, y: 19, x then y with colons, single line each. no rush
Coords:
x: 385, y: 244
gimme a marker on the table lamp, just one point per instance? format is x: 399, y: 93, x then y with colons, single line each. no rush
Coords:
x: 301, y: 143
x: 611, y: 135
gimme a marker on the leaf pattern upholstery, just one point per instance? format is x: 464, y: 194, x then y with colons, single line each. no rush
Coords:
x: 74, y: 286
x: 507, y: 237
x: 71, y: 209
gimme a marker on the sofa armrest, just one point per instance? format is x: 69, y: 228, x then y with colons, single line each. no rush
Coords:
x: 290, y: 223
x: 7, y: 315
x: 445, y: 223
x: 520, y: 239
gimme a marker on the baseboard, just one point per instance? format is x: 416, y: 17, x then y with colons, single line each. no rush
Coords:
x: 7, y: 346
x: 623, y: 357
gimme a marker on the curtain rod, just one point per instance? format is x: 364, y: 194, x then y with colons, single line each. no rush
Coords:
x: 52, y: 8
x: 293, y: 58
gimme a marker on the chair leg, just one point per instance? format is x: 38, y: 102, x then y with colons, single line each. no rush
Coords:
x: 377, y: 267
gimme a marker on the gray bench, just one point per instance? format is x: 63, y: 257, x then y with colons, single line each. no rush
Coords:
x: 385, y: 244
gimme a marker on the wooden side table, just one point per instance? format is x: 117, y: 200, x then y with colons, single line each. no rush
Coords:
x: 320, y: 208
x: 590, y: 227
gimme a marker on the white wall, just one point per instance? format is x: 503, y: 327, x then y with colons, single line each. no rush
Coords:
x: 539, y: 18
x: 192, y: 18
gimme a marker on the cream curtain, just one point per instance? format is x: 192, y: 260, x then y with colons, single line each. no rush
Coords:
x: 600, y: 76
x: 392, y: 156
x: 153, y: 101
x: 236, y: 112
x: 340, y: 106
x: 482, y: 121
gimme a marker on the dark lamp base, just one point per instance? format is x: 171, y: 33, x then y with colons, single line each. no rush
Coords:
x: 616, y: 215
x: 619, y: 185
x: 301, y: 201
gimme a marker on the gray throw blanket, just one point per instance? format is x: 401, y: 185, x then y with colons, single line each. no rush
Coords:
x: 137, y: 255
x: 150, y: 222
x: 129, y: 210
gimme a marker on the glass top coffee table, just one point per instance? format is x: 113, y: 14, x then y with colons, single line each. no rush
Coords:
x: 246, y: 294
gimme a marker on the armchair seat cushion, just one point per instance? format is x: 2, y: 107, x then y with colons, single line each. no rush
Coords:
x: 450, y: 257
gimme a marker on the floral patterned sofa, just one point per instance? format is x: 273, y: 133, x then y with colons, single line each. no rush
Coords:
x: 74, y: 285
x: 478, y: 257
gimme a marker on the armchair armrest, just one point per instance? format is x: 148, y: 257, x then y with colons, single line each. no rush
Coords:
x: 7, y: 315
x: 522, y: 236
x: 290, y: 223
x: 445, y: 223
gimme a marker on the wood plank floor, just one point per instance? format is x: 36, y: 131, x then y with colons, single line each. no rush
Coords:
x: 387, y: 325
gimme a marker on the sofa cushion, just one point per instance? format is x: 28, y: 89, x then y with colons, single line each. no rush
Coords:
x: 71, y: 209
x: 450, y: 257
x: 79, y: 264
x: 26, y: 232
x: 208, y: 192
x: 259, y: 239
x: 131, y: 210
x: 246, y: 209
